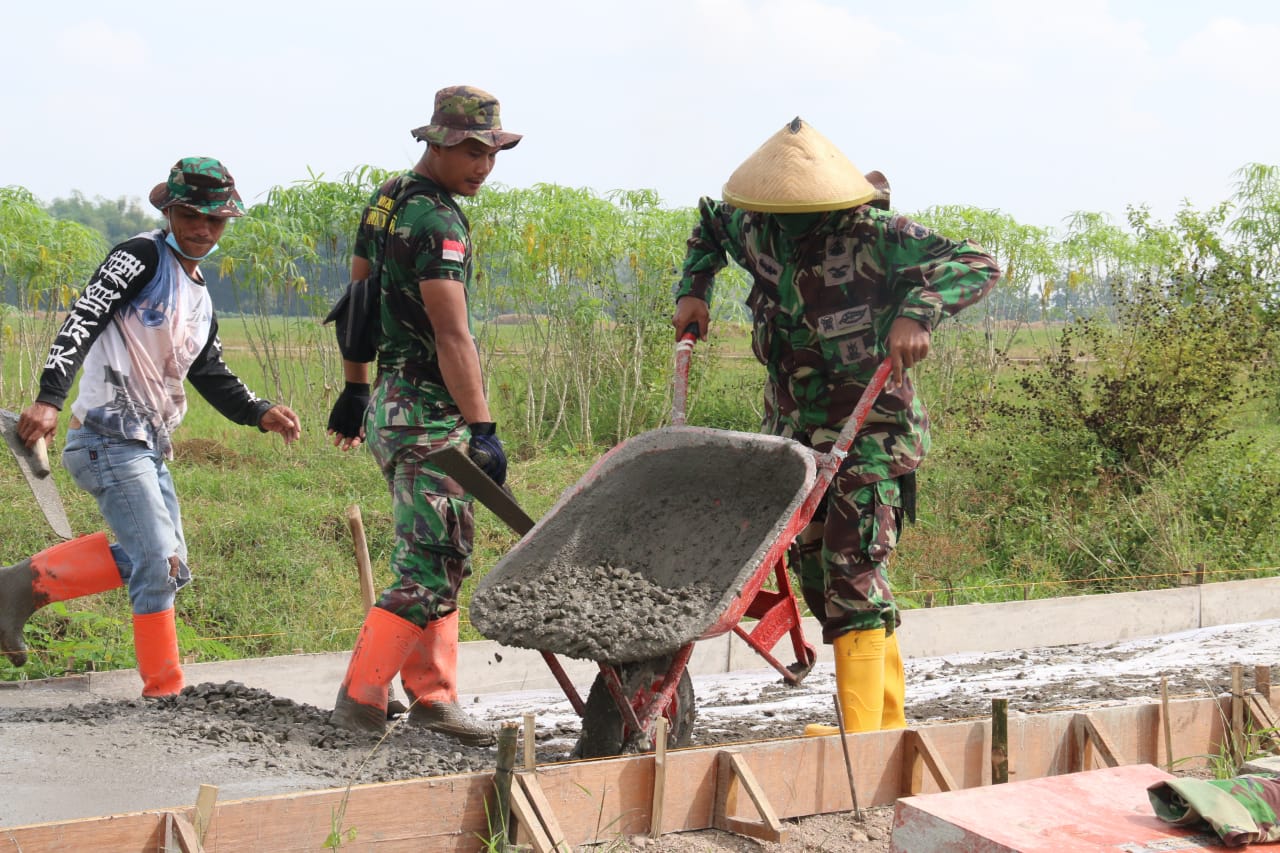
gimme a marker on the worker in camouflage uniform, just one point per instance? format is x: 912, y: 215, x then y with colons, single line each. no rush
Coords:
x: 428, y: 393
x: 838, y: 285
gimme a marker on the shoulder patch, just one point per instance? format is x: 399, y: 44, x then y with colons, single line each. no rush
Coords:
x: 909, y: 227
x: 453, y: 250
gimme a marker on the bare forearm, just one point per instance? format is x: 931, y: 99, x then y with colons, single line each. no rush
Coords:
x: 460, y: 367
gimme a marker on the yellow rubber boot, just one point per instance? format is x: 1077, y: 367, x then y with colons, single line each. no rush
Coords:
x: 894, y: 715
x: 859, y: 682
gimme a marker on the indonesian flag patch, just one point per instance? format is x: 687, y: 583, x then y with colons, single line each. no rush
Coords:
x: 453, y: 251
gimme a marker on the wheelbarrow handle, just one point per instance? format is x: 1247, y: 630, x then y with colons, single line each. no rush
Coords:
x: 680, y: 386
x: 831, y: 461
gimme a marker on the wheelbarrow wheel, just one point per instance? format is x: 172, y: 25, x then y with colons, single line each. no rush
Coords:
x: 603, y: 731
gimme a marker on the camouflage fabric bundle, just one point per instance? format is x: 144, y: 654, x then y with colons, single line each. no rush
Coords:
x: 1242, y: 810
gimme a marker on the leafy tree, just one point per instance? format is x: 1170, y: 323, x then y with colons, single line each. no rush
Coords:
x: 43, y: 263
x: 115, y: 219
x: 1152, y: 386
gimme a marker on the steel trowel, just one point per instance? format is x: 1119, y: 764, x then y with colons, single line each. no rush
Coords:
x: 34, y: 464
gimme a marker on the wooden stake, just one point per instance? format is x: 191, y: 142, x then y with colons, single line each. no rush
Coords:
x: 848, y: 764
x: 1167, y: 724
x: 659, y: 776
x: 356, y: 524
x: 1237, y: 714
x: 530, y: 753
x: 999, y: 741
x: 204, y: 809
x: 502, y: 778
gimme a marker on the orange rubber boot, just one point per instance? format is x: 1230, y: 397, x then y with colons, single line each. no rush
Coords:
x: 385, y: 641
x: 430, y: 680
x: 155, y: 641
x: 859, y: 682
x: 82, y: 566
x: 894, y: 715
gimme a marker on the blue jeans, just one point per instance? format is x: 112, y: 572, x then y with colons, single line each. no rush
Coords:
x: 135, y: 494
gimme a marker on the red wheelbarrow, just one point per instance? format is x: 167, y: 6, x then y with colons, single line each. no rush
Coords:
x: 676, y: 535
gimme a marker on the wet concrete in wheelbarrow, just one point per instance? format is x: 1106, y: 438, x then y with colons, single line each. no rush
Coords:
x: 650, y: 549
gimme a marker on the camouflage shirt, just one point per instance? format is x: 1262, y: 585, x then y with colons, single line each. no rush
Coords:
x: 429, y: 239
x: 822, y: 305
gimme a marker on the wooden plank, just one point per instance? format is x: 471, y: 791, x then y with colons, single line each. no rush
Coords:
x: 1092, y: 734
x: 1260, y: 710
x: 205, y: 801
x: 546, y: 815
x: 659, y: 777
x: 595, y: 801
x: 925, y: 756
x: 180, y: 835
x: 733, y: 773
x: 528, y: 827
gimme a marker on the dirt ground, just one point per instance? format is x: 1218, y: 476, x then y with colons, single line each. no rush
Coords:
x: 67, y: 759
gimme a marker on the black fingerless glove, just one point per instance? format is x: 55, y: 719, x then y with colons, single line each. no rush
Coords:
x: 347, y: 417
x: 486, y: 451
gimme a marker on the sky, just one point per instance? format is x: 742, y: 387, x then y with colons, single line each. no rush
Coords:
x: 1034, y: 108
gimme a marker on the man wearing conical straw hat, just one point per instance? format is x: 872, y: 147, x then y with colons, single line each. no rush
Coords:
x: 838, y: 285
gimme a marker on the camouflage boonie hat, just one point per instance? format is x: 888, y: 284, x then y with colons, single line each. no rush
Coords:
x: 465, y: 112
x: 201, y: 183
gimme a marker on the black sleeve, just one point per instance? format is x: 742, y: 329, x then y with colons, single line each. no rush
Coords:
x: 211, y: 376
x: 129, y: 267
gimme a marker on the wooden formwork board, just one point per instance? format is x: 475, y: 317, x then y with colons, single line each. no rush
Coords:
x: 596, y: 801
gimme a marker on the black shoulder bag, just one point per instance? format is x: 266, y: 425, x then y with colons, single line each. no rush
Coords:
x: 357, y: 313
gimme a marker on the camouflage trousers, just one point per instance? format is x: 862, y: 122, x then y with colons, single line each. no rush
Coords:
x: 433, y: 516
x: 842, y: 559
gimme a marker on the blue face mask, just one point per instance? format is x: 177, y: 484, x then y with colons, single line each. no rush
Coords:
x: 173, y: 244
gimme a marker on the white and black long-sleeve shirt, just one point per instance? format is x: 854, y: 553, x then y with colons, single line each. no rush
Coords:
x: 140, y: 327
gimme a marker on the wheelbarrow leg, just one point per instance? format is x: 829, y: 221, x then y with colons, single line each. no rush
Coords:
x: 626, y: 700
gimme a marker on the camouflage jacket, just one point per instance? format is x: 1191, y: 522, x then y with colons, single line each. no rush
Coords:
x: 430, y: 239
x: 1242, y: 810
x: 822, y: 305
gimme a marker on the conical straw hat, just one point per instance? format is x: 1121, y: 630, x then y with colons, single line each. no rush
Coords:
x: 797, y: 170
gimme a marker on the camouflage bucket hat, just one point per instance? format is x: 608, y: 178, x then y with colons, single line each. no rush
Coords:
x: 201, y: 183
x: 797, y: 170
x: 465, y: 112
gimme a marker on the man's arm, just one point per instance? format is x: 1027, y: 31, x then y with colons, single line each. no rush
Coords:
x: 346, y: 420
x: 211, y: 376
x: 446, y: 304
x: 705, y: 255
x: 128, y: 268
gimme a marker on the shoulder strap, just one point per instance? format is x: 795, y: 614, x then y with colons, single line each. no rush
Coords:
x: 415, y: 189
